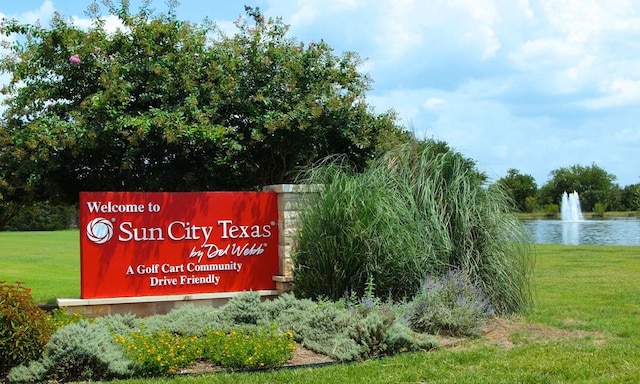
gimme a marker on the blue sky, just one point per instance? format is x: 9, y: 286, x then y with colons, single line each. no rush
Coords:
x: 528, y: 84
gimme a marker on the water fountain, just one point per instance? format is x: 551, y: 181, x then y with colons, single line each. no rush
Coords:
x: 570, y: 207
x: 573, y: 229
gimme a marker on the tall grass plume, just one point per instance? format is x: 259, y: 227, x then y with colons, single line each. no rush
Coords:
x: 420, y: 210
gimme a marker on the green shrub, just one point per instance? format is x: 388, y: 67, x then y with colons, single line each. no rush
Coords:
x: 382, y: 327
x: 551, y: 210
x: 280, y: 306
x: 450, y: 305
x: 530, y: 204
x: 244, y: 309
x: 400, y: 338
x: 327, y: 330
x: 255, y: 347
x: 369, y: 332
x: 79, y: 351
x: 24, y: 327
x: 347, y: 332
x: 32, y: 372
x: 599, y: 209
x: 420, y: 210
x: 187, y: 320
x: 118, y: 324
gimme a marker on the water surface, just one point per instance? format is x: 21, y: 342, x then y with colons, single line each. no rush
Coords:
x: 618, y: 231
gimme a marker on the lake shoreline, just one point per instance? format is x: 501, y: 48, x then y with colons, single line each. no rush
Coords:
x: 586, y: 215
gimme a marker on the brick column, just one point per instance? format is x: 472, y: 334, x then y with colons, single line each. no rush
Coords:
x: 289, y: 204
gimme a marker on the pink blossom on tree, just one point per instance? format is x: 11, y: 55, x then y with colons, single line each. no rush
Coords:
x: 74, y: 59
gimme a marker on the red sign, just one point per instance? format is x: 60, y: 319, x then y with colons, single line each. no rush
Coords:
x: 166, y: 243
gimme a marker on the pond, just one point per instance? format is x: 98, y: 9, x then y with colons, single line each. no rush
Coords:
x: 618, y: 231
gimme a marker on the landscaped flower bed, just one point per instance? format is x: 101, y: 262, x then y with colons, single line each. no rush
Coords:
x: 245, y: 333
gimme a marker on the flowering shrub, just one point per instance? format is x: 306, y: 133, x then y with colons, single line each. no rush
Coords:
x: 24, y: 329
x: 159, y: 353
x: 59, y: 318
x: 74, y: 59
x: 254, y: 347
x: 450, y: 305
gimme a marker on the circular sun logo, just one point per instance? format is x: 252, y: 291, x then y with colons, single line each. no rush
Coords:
x: 99, y: 230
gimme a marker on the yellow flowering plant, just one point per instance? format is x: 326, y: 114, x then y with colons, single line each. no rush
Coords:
x: 60, y: 317
x: 160, y: 353
x: 163, y: 353
x: 252, y: 347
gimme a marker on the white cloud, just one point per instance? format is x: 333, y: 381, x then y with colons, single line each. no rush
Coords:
x: 227, y: 27
x: 577, y: 20
x: 628, y: 135
x: 433, y: 103
x: 433, y: 27
x: 619, y: 92
x: 43, y: 13
x: 306, y: 14
x: 546, y: 53
x: 111, y: 23
x: 525, y: 7
x: 310, y: 10
x: 399, y: 28
x: 583, y: 20
x: 582, y: 47
x: 489, y: 41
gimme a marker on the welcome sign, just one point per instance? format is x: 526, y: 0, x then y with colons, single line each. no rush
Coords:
x: 170, y: 243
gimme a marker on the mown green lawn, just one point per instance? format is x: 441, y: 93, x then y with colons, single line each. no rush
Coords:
x: 47, y: 262
x: 591, y: 289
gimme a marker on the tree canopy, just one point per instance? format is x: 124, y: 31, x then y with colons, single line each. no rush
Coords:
x: 163, y: 104
x: 521, y: 187
x: 593, y: 184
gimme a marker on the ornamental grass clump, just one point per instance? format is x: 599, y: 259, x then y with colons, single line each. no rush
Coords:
x: 420, y: 210
x: 353, y: 231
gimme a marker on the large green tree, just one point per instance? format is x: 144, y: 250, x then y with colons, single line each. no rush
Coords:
x: 627, y: 198
x: 593, y: 184
x: 521, y: 187
x: 163, y: 104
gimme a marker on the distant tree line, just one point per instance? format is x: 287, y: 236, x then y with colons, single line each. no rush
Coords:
x: 596, y: 187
